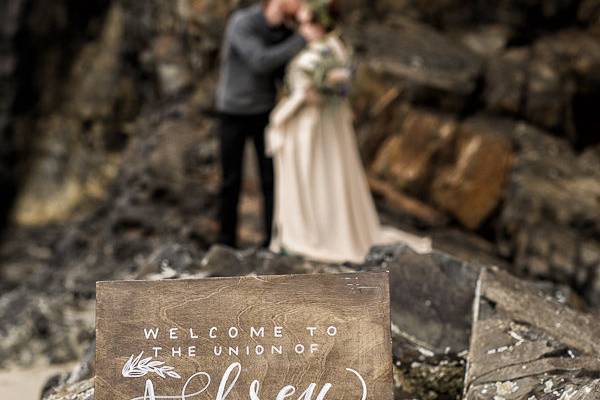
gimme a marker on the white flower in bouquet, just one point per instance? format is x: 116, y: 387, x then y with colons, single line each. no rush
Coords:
x: 329, y: 75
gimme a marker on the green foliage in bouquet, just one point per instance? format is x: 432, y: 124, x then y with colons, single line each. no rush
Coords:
x: 320, y: 70
x: 320, y: 10
x: 328, y: 63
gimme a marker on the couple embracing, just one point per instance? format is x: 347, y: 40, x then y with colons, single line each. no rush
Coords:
x: 317, y: 202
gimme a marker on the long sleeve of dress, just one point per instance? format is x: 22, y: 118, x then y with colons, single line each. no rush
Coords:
x: 309, y: 70
x: 299, y: 83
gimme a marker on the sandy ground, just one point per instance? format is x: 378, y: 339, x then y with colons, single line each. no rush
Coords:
x: 27, y: 384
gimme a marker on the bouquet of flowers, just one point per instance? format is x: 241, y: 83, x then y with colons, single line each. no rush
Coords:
x: 330, y: 75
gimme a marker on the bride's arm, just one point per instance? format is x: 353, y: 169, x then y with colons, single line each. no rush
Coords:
x: 299, y: 84
x: 302, y: 91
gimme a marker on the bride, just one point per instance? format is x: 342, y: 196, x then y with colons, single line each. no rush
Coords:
x: 323, y: 207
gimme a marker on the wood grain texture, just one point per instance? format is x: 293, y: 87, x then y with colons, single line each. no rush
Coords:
x: 357, y: 305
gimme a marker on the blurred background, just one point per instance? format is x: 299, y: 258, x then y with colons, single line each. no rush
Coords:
x: 478, y: 122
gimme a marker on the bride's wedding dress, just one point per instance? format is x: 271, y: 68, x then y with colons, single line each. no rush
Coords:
x: 324, y: 210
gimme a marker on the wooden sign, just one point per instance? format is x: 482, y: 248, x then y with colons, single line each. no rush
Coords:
x: 305, y: 337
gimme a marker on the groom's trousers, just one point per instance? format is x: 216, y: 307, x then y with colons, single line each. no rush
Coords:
x: 234, y: 130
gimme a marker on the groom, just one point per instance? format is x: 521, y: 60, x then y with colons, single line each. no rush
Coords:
x: 256, y: 49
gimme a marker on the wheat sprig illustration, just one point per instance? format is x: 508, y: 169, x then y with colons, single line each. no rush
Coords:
x: 138, y: 367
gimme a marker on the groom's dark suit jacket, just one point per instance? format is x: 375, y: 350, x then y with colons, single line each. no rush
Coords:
x: 254, y: 56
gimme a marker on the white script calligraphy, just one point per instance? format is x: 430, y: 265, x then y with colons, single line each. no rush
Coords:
x: 229, y: 381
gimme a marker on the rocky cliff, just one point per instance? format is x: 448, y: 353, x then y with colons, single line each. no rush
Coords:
x: 477, y: 123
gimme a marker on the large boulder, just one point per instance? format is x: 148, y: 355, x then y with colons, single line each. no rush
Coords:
x: 552, y: 84
x: 427, y: 67
x: 549, y: 221
x: 431, y: 297
x: 505, y: 80
x: 462, y: 168
x: 526, y: 346
x: 408, y: 159
x: 471, y: 187
x: 563, y: 85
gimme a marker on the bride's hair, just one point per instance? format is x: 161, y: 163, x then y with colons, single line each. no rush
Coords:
x: 328, y: 15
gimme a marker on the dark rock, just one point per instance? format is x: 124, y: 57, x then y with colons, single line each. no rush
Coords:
x: 428, y: 67
x: 79, y: 391
x: 526, y: 346
x: 468, y: 247
x: 174, y: 74
x: 430, y: 378
x: 11, y: 13
x: 563, y: 85
x: 549, y: 219
x: 224, y: 261
x: 505, y: 81
x: 84, y: 370
x: 31, y: 326
x: 589, y: 11
x: 546, y: 96
x: 551, y: 84
x: 172, y: 258
x: 525, y: 18
x: 488, y: 40
x: 431, y: 297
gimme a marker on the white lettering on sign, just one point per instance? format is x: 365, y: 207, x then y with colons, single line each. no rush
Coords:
x: 229, y: 381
